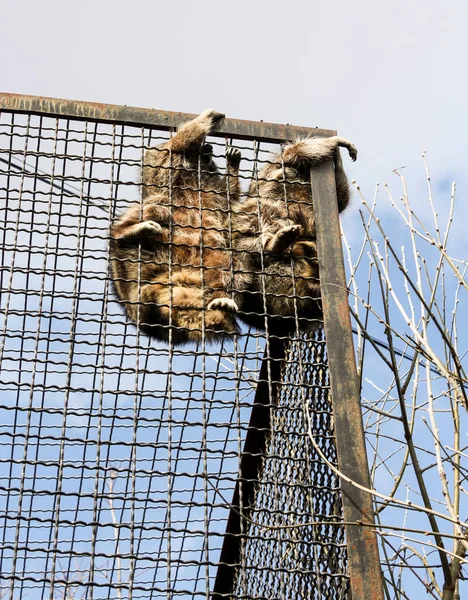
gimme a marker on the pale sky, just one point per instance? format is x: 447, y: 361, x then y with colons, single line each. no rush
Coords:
x: 390, y: 76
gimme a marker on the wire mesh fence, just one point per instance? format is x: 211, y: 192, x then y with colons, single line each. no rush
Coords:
x: 121, y: 453
x: 297, y: 488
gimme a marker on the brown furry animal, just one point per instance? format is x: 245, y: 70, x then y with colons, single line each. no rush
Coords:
x: 274, y: 231
x: 171, y: 263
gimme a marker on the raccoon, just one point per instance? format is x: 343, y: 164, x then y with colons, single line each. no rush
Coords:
x: 274, y: 232
x: 171, y: 263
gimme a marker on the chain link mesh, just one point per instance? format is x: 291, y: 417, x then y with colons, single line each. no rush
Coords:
x: 291, y: 549
x: 120, y: 455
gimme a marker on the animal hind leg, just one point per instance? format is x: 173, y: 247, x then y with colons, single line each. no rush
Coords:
x: 283, y: 239
x: 316, y: 150
x: 342, y: 185
x: 145, y: 230
x: 141, y: 222
x: 183, y: 303
x: 219, y: 279
x: 191, y: 134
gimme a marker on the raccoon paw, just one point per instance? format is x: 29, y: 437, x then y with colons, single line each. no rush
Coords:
x: 149, y: 228
x: 352, y: 151
x: 223, y: 304
x: 212, y: 114
x: 219, y: 324
x: 209, y: 118
x: 283, y: 239
x: 207, y: 149
x: 233, y: 157
x: 140, y: 230
x: 349, y: 146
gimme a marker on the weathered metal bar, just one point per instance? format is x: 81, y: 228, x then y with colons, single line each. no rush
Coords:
x: 363, y: 554
x: 251, y: 466
x: 145, y: 117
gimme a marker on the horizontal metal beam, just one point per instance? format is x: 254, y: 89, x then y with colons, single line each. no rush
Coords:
x: 147, y: 117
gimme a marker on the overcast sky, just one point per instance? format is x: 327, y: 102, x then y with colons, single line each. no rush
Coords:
x: 390, y: 76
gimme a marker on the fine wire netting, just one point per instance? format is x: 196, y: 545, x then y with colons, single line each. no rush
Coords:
x: 120, y: 454
x: 297, y: 487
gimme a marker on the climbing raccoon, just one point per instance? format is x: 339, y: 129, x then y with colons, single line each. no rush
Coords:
x: 274, y: 232
x: 171, y: 262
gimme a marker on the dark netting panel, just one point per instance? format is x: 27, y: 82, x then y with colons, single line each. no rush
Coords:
x: 120, y: 455
x: 279, y: 557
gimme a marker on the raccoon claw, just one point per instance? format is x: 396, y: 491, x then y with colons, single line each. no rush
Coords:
x: 283, y: 239
x: 223, y: 304
x: 233, y: 157
x: 352, y: 152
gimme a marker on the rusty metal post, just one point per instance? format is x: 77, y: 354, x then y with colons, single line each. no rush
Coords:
x: 363, y: 554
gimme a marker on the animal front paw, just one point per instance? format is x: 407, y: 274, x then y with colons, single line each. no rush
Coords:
x: 233, y: 157
x: 223, y: 304
x: 283, y: 239
x: 150, y: 228
x: 346, y: 144
x: 146, y: 229
x: 352, y: 151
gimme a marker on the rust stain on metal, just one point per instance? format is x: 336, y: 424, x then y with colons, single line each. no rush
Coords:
x: 160, y: 119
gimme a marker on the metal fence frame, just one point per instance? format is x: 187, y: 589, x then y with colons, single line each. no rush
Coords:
x: 364, y: 565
